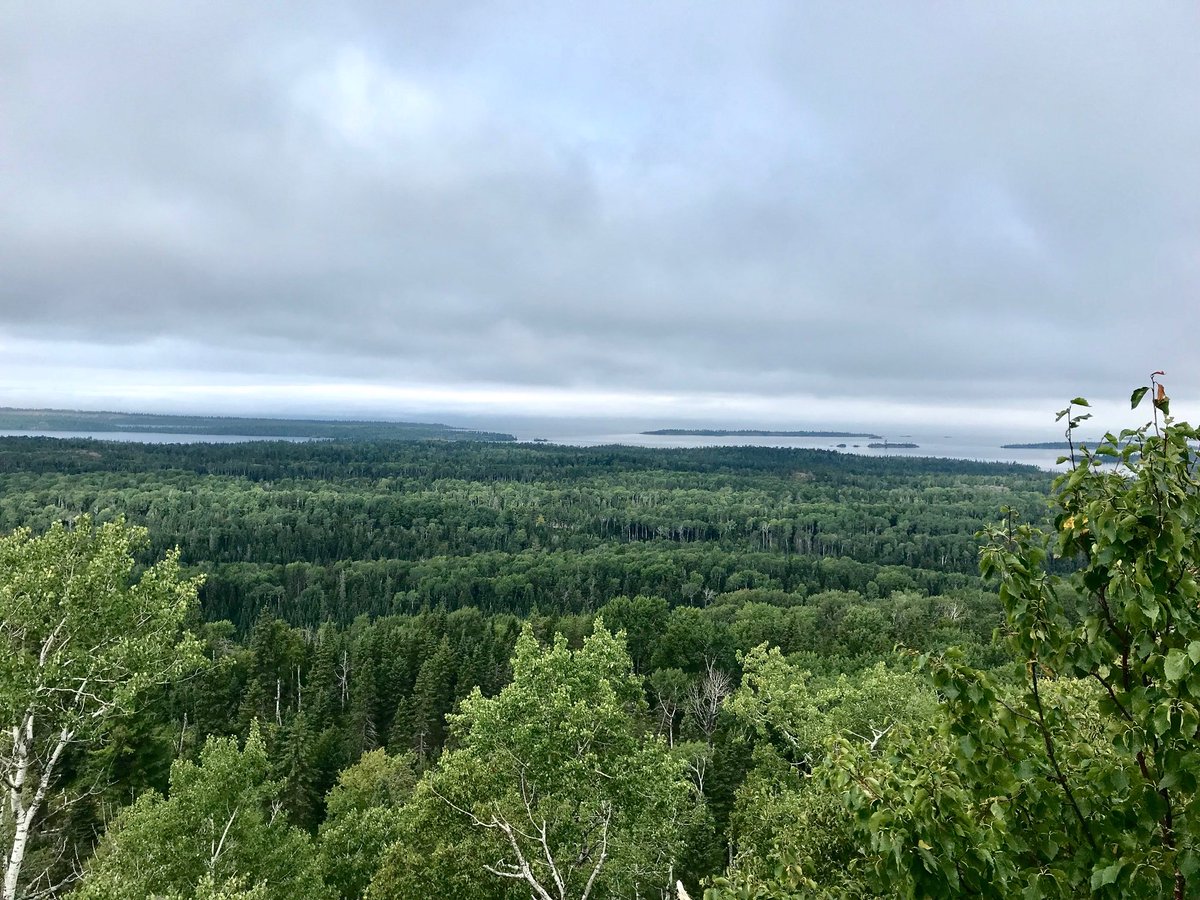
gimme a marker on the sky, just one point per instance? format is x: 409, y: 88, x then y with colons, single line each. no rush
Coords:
x: 797, y: 213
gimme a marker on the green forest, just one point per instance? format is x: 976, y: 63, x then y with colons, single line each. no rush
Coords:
x: 372, y: 668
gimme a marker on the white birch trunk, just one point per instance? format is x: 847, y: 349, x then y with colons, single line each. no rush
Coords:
x: 24, y: 813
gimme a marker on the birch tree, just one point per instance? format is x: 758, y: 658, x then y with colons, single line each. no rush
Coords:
x: 80, y: 639
x: 553, y: 792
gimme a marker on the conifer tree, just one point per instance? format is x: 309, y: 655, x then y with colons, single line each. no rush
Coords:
x: 432, y: 697
x: 296, y: 764
x: 362, y: 716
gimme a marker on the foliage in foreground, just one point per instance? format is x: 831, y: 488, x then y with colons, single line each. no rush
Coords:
x: 553, y: 791
x: 1082, y: 778
x: 218, y: 833
x: 80, y: 643
x: 1079, y: 774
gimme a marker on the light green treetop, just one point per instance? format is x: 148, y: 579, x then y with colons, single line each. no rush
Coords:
x: 555, y: 789
x: 363, y: 814
x: 792, y: 832
x: 79, y: 640
x: 219, y: 829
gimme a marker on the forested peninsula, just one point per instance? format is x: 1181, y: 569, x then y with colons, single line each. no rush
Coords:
x: 1038, y: 445
x: 398, y: 669
x: 344, y: 429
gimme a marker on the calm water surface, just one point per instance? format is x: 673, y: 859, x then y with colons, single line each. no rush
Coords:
x: 152, y: 437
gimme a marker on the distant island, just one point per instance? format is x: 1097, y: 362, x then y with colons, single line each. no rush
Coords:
x: 330, y: 429
x: 1041, y: 445
x: 754, y: 432
x: 889, y: 445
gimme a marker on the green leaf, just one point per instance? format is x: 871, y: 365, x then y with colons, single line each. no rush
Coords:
x: 1107, y: 875
x: 1136, y: 397
x: 1177, y: 665
x: 1079, y: 401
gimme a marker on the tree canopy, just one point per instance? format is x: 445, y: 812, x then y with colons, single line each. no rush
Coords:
x: 220, y: 829
x: 80, y: 640
x: 808, y: 692
x: 553, y: 790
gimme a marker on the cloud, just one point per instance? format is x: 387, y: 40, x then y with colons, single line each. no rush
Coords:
x: 777, y: 207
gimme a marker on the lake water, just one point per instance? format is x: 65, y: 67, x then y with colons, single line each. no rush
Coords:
x: 152, y: 437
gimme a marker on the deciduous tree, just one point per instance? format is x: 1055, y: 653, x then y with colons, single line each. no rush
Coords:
x: 80, y: 639
x: 220, y: 829
x: 556, y: 790
x: 1083, y: 776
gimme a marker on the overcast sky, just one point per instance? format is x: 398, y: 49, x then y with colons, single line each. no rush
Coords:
x: 802, y: 213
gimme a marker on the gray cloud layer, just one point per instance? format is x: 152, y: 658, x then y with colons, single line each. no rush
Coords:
x: 888, y: 202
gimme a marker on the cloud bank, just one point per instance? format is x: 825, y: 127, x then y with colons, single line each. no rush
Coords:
x: 770, y: 211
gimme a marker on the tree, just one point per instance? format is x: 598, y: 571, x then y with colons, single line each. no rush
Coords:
x: 296, y: 753
x: 691, y: 641
x: 793, y: 834
x: 80, y: 640
x: 554, y: 790
x: 219, y: 830
x: 364, y: 820
x: 364, y: 700
x: 1082, y: 776
x: 431, y: 699
x: 643, y: 619
x: 704, y: 699
x: 669, y: 687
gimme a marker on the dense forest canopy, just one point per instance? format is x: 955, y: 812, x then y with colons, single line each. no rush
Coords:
x: 530, y: 670
x: 329, y: 531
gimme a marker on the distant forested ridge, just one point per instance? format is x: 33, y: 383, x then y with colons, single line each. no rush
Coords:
x: 754, y: 432
x: 81, y: 420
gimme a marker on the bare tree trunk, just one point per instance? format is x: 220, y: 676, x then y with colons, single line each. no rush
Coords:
x: 343, y: 676
x: 705, y: 698
x: 24, y: 813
